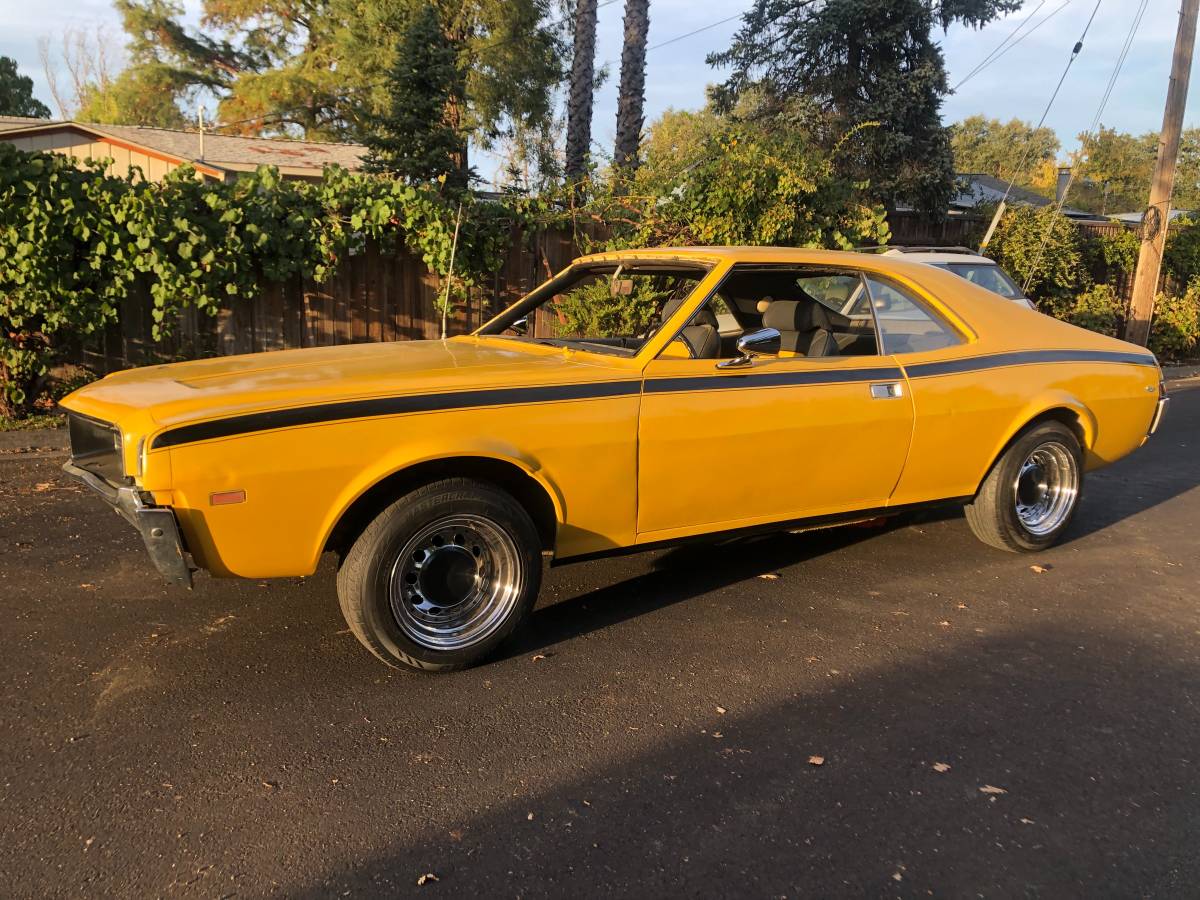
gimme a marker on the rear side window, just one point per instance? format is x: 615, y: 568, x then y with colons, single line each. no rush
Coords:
x: 905, y: 324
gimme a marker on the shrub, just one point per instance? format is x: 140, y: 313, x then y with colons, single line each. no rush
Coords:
x: 1042, y: 249
x: 1176, y: 327
x: 75, y: 242
x: 1098, y: 309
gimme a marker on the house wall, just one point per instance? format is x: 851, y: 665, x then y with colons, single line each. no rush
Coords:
x: 73, y: 144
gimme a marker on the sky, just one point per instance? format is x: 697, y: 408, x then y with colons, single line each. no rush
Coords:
x: 1017, y: 85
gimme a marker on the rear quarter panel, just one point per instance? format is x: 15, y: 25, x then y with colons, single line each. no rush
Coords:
x: 965, y: 419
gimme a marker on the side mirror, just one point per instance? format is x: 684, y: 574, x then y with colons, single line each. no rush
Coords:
x: 520, y: 326
x: 765, y: 340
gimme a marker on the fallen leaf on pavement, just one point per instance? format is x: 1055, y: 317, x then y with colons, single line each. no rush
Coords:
x: 721, y: 710
x: 941, y: 767
x: 43, y: 486
x: 816, y: 760
x: 427, y: 877
x: 1027, y: 822
x: 538, y: 656
x: 769, y: 576
x: 992, y: 789
x: 1040, y: 570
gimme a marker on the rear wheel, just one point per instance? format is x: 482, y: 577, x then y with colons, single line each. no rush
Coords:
x: 441, y: 576
x: 1028, y: 499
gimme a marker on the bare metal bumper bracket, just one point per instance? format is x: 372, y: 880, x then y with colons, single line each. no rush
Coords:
x: 156, y: 524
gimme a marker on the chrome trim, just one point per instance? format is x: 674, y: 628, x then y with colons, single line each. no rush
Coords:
x: 748, y: 343
x: 1159, y: 411
x: 889, y: 390
x: 156, y: 524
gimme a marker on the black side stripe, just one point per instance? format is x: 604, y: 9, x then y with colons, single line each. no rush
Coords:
x: 770, y: 379
x: 418, y: 403
x: 1025, y: 357
x: 389, y: 406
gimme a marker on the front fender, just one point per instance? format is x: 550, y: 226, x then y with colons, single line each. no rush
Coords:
x: 411, y: 457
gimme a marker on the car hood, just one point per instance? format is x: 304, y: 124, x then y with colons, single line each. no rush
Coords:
x: 177, y: 393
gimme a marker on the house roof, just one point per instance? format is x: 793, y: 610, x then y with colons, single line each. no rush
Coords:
x: 1135, y: 218
x: 975, y: 188
x: 221, y: 151
x: 8, y: 123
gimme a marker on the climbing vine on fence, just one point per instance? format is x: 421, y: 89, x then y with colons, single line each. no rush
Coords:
x: 75, y: 241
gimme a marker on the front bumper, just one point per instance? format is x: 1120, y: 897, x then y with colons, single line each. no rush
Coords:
x: 156, y: 524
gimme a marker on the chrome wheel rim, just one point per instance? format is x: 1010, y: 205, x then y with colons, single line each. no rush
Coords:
x: 455, y: 582
x: 1046, y: 488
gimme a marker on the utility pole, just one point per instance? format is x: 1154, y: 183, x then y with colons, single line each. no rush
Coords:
x: 1157, y: 219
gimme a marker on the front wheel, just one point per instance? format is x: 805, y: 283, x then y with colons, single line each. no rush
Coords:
x: 441, y: 576
x: 1027, y: 500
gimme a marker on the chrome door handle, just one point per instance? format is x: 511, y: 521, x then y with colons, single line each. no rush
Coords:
x: 888, y: 390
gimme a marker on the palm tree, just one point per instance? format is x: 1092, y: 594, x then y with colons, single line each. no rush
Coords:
x: 579, y: 103
x: 631, y: 96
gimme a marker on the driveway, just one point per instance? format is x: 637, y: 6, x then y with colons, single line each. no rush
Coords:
x: 883, y: 711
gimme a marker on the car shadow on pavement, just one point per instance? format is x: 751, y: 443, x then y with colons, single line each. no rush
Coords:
x: 680, y: 574
x: 1041, y: 762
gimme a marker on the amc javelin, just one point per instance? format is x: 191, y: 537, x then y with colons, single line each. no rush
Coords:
x: 717, y: 391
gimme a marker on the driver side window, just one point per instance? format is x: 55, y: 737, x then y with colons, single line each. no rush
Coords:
x: 819, y: 312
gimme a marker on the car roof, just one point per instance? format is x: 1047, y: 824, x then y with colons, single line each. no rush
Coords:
x: 941, y: 255
x: 744, y: 254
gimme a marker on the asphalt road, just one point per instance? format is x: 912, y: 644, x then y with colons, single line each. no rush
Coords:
x: 985, y: 729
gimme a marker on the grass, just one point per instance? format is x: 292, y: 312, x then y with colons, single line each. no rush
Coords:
x: 32, y: 423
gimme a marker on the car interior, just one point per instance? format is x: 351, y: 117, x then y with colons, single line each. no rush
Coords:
x: 819, y: 312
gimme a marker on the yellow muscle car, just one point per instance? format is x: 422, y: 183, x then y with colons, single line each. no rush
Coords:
x: 635, y: 399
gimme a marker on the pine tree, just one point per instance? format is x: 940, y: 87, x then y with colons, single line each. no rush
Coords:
x: 862, y: 61
x: 417, y: 137
x: 631, y: 94
x: 579, y: 103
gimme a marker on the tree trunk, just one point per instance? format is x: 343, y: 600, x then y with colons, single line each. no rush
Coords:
x: 579, y: 104
x: 631, y: 97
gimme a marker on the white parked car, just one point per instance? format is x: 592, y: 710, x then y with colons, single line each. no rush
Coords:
x: 968, y: 264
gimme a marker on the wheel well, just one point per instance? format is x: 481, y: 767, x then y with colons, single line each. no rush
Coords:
x: 504, y: 475
x: 1060, y: 414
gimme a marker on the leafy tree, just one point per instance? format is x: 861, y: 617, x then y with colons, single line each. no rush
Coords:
x: 631, y: 94
x: 1113, y: 170
x: 862, y: 61
x: 16, y: 93
x: 414, y: 140
x: 579, y: 100
x: 321, y: 67
x: 731, y: 182
x: 144, y: 95
x: 1006, y: 149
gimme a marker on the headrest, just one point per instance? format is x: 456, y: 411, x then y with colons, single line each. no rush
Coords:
x: 802, y: 315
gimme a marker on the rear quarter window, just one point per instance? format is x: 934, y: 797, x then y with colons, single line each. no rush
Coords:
x: 906, y: 325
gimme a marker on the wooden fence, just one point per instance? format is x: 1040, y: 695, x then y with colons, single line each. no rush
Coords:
x: 373, y: 296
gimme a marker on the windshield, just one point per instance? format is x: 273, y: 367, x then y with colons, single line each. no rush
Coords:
x: 988, y: 276
x: 604, y: 308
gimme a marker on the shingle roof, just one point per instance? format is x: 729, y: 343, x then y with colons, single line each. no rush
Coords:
x: 976, y: 188
x: 8, y: 123
x: 220, y: 150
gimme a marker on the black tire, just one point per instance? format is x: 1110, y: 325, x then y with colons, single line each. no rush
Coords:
x: 1002, y: 514
x: 399, y: 583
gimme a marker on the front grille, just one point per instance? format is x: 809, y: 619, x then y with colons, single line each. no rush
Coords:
x: 96, y: 446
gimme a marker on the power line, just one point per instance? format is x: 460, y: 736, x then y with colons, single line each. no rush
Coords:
x: 1075, y: 51
x: 991, y: 56
x: 1090, y: 133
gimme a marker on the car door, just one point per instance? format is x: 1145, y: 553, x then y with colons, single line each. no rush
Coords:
x: 779, y: 439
